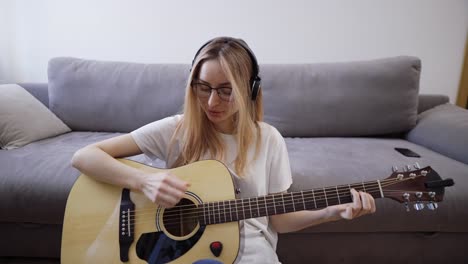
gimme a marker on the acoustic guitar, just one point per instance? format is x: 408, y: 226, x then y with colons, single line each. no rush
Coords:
x: 107, y: 224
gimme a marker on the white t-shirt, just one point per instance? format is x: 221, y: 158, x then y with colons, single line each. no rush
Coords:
x: 269, y: 172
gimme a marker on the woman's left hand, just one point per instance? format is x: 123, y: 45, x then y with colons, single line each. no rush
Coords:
x: 363, y: 203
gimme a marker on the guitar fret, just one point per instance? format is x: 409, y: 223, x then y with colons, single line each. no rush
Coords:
x: 296, y: 201
x: 209, y: 212
x: 214, y: 212
x: 219, y: 214
x: 250, y: 207
x: 380, y: 189
x: 288, y: 202
x: 338, y: 195
x: 237, y: 210
x: 224, y: 212
x: 363, y: 187
x: 325, y: 194
x: 315, y: 202
x: 266, y: 206
x: 258, y: 208
x: 230, y: 212
x: 204, y: 214
x: 282, y: 199
x: 243, y: 210
x: 303, y: 202
x: 274, y: 204
x: 292, y: 198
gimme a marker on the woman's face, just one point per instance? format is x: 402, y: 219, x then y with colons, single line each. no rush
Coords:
x: 220, y: 112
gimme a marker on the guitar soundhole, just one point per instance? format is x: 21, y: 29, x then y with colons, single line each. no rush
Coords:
x: 182, y: 219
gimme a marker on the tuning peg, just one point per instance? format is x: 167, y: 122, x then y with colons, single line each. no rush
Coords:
x: 432, y: 206
x: 407, y: 168
x: 406, y: 197
x: 416, y: 166
x: 394, y: 168
x: 418, y: 206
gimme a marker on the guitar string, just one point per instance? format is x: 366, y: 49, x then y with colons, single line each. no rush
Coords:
x: 329, y: 193
x: 168, y: 224
x: 86, y: 229
x: 215, y: 212
x: 214, y: 207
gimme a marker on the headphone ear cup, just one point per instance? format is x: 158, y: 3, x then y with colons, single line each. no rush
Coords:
x: 255, y: 88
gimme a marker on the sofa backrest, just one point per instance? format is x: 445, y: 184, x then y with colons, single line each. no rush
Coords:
x: 343, y: 99
x: 330, y: 99
x: 38, y: 90
x: 114, y: 96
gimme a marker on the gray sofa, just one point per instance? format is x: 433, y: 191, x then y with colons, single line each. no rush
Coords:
x: 341, y: 123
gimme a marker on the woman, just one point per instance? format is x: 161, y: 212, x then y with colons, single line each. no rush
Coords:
x: 221, y: 120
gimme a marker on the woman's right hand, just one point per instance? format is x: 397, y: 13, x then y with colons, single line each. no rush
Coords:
x: 163, y: 188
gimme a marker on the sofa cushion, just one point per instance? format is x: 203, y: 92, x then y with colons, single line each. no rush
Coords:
x: 443, y: 129
x: 342, y: 99
x: 322, y: 162
x: 114, y: 96
x: 35, y: 180
x: 24, y: 119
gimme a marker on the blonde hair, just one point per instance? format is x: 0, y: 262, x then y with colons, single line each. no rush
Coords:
x: 197, y: 133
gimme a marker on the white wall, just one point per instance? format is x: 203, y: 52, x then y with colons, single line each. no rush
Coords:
x: 6, y: 40
x: 293, y: 31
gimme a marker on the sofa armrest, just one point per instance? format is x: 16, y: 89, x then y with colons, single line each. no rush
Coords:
x: 428, y: 101
x: 443, y: 129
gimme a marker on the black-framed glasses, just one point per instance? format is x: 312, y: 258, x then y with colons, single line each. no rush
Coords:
x: 203, y: 91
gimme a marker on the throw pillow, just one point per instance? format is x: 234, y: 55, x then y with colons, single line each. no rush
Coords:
x: 24, y: 119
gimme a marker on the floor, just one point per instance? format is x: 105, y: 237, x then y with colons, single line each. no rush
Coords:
x: 16, y: 260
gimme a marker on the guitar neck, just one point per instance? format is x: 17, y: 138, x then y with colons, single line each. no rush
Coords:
x: 273, y: 204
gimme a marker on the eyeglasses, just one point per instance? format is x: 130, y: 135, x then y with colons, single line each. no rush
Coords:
x: 203, y: 91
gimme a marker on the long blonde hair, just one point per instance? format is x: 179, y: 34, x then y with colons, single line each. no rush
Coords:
x: 197, y: 133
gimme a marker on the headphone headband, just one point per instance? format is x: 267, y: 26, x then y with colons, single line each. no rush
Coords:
x: 255, y: 80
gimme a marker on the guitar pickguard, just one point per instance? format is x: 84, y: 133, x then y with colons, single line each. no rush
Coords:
x: 156, y: 247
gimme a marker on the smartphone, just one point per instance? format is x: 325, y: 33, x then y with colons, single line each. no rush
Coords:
x: 408, y: 153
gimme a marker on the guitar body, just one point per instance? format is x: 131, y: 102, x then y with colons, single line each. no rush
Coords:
x: 91, y: 227
x: 107, y: 224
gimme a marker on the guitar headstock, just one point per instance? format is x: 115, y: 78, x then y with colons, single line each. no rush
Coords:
x: 423, y: 187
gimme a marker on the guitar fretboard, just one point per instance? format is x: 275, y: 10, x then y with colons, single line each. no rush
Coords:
x: 245, y: 208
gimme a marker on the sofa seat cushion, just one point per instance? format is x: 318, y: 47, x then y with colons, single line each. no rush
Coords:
x: 36, y: 179
x: 321, y: 162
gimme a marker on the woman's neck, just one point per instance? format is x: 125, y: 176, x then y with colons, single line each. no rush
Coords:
x: 222, y: 130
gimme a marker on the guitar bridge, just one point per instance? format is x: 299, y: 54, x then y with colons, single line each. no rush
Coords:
x: 126, y: 224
